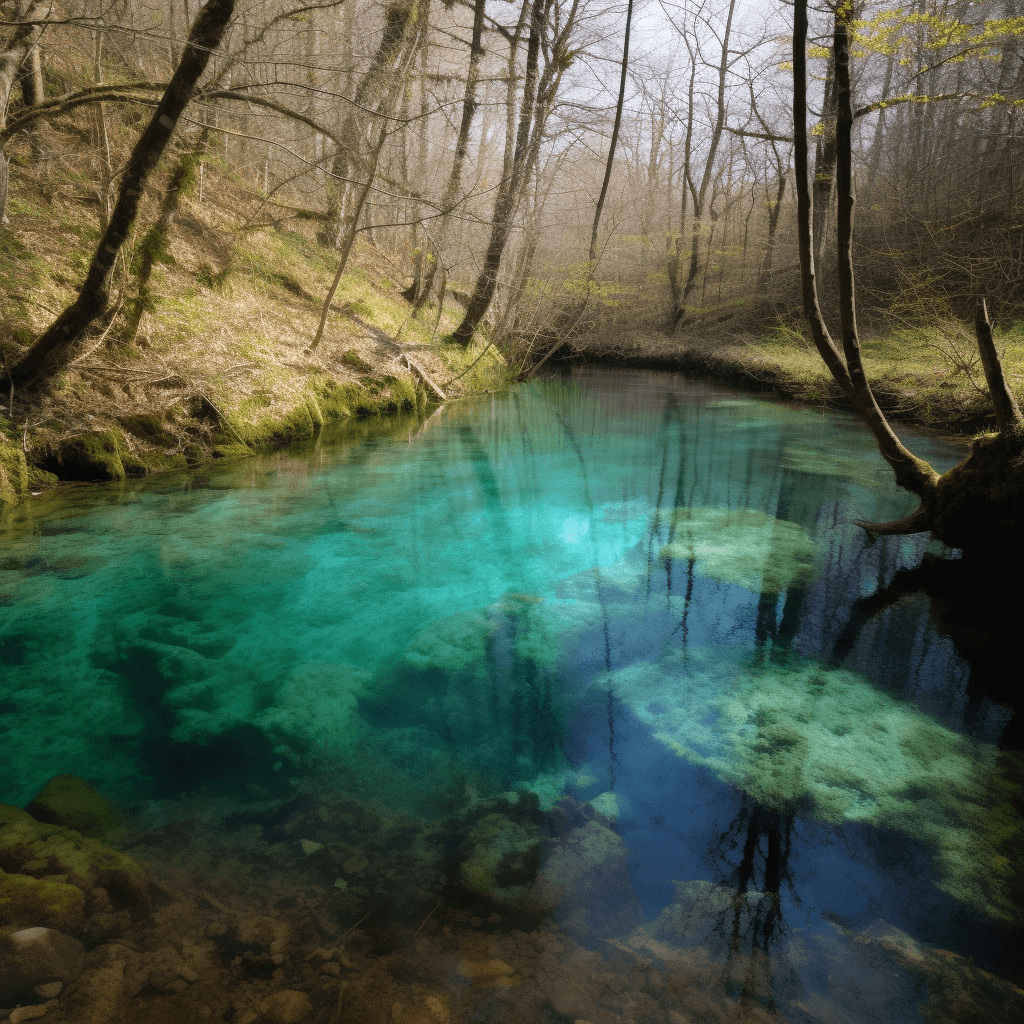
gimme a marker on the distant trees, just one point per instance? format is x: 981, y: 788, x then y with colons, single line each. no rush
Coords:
x: 481, y: 142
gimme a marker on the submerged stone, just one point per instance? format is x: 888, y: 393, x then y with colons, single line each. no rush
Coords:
x: 38, y: 956
x: 745, y: 547
x: 46, y: 902
x: 41, y: 851
x: 71, y: 802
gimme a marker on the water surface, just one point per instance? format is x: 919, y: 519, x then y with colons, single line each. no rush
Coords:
x: 631, y: 595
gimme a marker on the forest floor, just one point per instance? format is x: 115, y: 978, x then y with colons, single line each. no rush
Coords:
x: 927, y: 376
x: 221, y: 362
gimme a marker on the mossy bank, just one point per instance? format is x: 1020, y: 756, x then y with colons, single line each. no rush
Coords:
x: 221, y: 363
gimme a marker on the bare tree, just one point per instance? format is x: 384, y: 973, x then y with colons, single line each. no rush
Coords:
x: 550, y: 33
x: 979, y: 504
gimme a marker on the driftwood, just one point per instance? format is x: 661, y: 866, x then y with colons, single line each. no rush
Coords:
x: 422, y: 374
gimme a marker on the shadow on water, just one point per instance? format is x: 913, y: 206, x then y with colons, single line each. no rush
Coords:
x: 962, y: 607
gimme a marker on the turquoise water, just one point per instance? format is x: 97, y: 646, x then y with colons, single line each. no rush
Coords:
x: 623, y: 588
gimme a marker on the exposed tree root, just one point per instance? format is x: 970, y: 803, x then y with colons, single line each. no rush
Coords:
x: 917, y: 522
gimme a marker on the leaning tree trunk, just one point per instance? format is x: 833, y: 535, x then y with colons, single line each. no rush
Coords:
x: 510, y: 188
x: 419, y: 292
x: 56, y: 346
x: 978, y: 505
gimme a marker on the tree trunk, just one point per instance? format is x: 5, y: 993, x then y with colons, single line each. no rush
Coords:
x: 615, y: 138
x: 154, y: 243
x: 824, y: 162
x: 764, y: 272
x: 55, y: 346
x: 20, y: 46
x: 978, y: 505
x: 449, y: 196
x: 375, y: 90
x: 512, y: 185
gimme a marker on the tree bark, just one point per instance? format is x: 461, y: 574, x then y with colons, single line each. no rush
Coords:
x: 1008, y: 415
x: 55, y: 347
x: 513, y: 182
x: 402, y: 27
x: 155, y: 241
x: 615, y: 138
x: 912, y: 473
x: 420, y: 291
x: 22, y: 42
x: 978, y: 505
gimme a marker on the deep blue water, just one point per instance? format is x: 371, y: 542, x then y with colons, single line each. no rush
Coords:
x: 617, y: 586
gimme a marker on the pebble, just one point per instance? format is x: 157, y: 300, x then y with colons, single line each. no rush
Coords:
x: 36, y: 956
x: 27, y: 1013
x: 50, y: 990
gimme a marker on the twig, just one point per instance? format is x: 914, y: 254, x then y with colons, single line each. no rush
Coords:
x: 349, y: 931
x: 425, y: 920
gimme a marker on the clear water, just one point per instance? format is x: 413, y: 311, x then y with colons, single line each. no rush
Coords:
x: 619, y: 587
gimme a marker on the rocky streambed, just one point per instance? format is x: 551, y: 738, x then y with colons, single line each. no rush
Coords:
x: 330, y: 910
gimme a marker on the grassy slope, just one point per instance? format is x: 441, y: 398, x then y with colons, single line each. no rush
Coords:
x: 220, y: 363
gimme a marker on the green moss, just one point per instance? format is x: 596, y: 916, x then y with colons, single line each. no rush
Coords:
x: 71, y: 802
x: 232, y: 451
x: 40, y: 479
x: 352, y: 358
x: 158, y: 462
x: 29, y: 847
x: 742, y: 546
x: 501, y: 859
x: 13, y: 473
x: 27, y: 902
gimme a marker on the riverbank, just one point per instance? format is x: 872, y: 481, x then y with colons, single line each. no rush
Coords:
x: 927, y: 377
x: 220, y: 364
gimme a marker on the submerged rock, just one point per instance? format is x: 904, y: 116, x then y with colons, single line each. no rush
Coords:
x: 35, y: 901
x: 32, y: 957
x: 742, y: 546
x: 40, y: 851
x: 71, y: 802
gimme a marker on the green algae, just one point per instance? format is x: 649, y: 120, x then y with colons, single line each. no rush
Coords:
x: 71, y: 802
x: 827, y: 744
x: 27, y: 902
x: 48, y: 852
x: 742, y: 546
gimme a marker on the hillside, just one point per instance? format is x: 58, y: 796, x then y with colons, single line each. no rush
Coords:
x: 220, y: 362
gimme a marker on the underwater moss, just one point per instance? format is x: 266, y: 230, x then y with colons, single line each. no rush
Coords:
x: 742, y: 546
x: 29, y: 847
x: 27, y: 902
x: 828, y: 744
x: 71, y: 802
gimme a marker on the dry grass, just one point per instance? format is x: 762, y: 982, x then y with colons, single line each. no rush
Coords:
x: 238, y: 302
